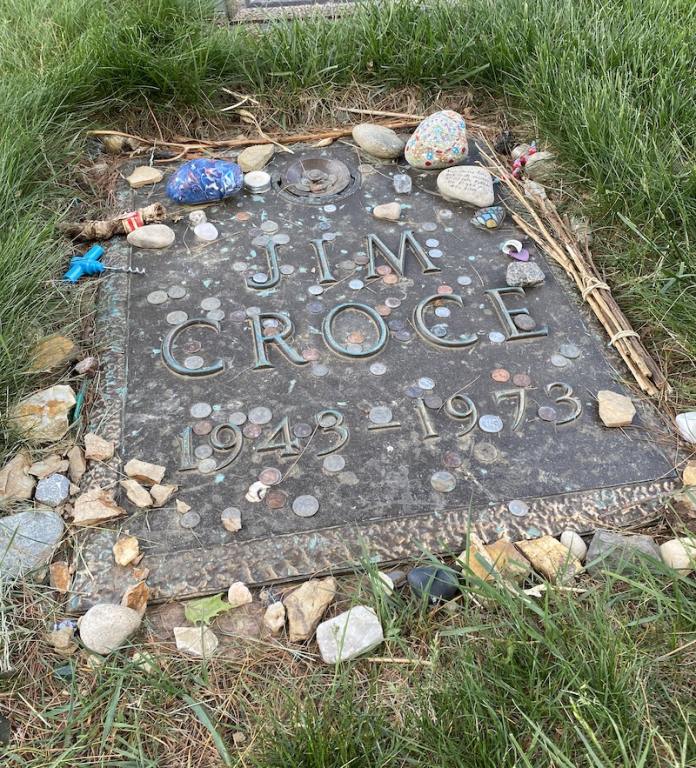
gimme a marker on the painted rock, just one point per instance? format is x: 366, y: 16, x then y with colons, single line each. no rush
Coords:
x: 151, y: 236
x: 204, y: 180
x: 467, y: 184
x: 489, y: 218
x: 437, y: 584
x: 378, y: 141
x: 438, y: 142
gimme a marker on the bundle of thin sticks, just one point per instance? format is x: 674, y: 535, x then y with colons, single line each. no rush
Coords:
x: 552, y: 234
x: 103, y: 229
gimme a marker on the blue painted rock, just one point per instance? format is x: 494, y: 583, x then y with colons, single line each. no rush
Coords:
x: 438, y: 142
x: 437, y: 584
x: 489, y: 218
x: 204, y: 180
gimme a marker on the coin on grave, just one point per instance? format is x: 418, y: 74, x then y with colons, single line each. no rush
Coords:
x: 260, y: 415
x: 319, y: 369
x: 237, y: 418
x: 518, y: 507
x: 269, y: 227
x: 496, y: 337
x: 380, y: 414
x: 189, y: 519
x: 434, y: 402
x: 522, y: 380
x: 305, y: 506
x: 202, y: 428
x: 570, y: 351
x: 211, y: 302
x: 524, y: 322
x: 334, y: 462
x: 390, y: 279
x: 547, y: 413
x: 252, y: 431
x: 356, y: 284
x: 445, y: 289
x: 215, y: 315
x: 378, y: 369
x: 177, y: 317
x: 200, y: 410
x: 327, y: 419
x: 157, y: 297
x: 452, y: 459
x: 500, y: 375
x: 286, y: 269
x: 383, y: 310
x: 302, y: 429
x: 464, y: 280
x: 275, y: 498
x: 204, y: 451
x: 206, y: 466
x: 383, y: 269
x: 270, y: 476
x: 426, y: 382
x: 193, y: 362
x: 355, y: 337
x: 443, y: 481
x: 402, y: 336
x: 392, y: 302
x: 558, y: 361
x: 490, y: 423
x: 176, y: 291
x: 486, y: 453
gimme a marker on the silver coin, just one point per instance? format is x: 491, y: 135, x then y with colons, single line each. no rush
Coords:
x: 353, y: 349
x: 378, y: 369
x: 402, y: 336
x: 253, y: 311
x: 177, y: 317
x: 496, y: 337
x: 260, y: 415
x: 269, y: 227
x: 327, y: 420
x: 176, y: 291
x: 238, y: 316
x: 426, y: 383
x: 435, y: 253
x: 558, y: 361
x: 464, y: 280
x: 356, y: 285
x: 281, y: 239
x: 431, y: 242
x: 439, y: 330
x: 270, y: 322
x: 315, y: 307
x: 396, y: 324
x: 216, y: 314
x: 429, y: 226
x: 302, y: 429
x: 286, y: 269
x: 206, y: 466
x: 270, y: 476
x: 157, y: 297
x: 392, y: 302
x: 305, y: 506
x: 433, y: 402
x: 201, y: 410
x: 442, y: 312
x: 380, y: 414
x: 212, y: 302
x: 518, y: 507
x: 324, y: 225
x: 189, y: 519
x: 239, y: 266
x: 259, y: 278
x: 413, y: 392
x: 319, y: 369
x: 315, y: 290
x: 490, y: 423
x: 334, y: 463
x: 330, y: 208
x: 486, y: 453
x: 443, y: 481
x: 237, y: 418
x: 203, y: 451
x: 547, y: 413
x: 445, y: 214
x: 261, y: 241
x: 570, y: 351
x: 328, y: 236
x: 194, y: 362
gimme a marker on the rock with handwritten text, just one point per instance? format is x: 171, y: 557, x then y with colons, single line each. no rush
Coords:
x: 467, y: 184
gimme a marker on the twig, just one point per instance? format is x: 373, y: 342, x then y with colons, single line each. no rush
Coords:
x: 398, y: 660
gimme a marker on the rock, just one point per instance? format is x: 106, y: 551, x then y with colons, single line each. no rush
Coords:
x: 437, y: 584
x: 136, y: 597
x: 144, y: 175
x: 52, y: 353
x: 204, y: 180
x: 143, y: 472
x: 349, y: 635
x: 489, y: 218
x: 59, y: 574
x: 145, y: 662
x: 306, y: 605
x: 77, y: 465
x: 609, y: 551
x: 679, y: 554
x: 136, y: 493
x: 126, y: 550
x: 87, y: 365
x: 438, y: 142
x: 688, y: 476
x: 27, y: 541
x: 378, y: 141
x: 541, y: 167
x: 238, y: 594
x: 16, y: 484
x: 524, y: 274
x: 402, y: 183
x: 162, y: 493
x: 575, y: 544
x: 95, y: 506
x: 274, y: 617
x: 551, y: 559
x: 151, y: 236
x: 197, y: 217
x: 205, y: 233
x: 684, y: 502
x: 231, y: 519
x: 615, y: 410
x: 62, y: 642
x: 254, y: 158
x: 476, y: 560
x: 98, y: 449
x: 52, y: 490
x: 388, y: 211
x: 509, y: 561
x: 468, y: 184
x: 51, y: 465
x: 106, y: 627
x: 196, y: 641
x: 182, y: 507
x: 43, y: 417
x: 580, y: 227
x: 686, y: 424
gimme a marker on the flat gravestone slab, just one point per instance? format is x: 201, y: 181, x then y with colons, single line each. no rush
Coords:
x: 372, y: 373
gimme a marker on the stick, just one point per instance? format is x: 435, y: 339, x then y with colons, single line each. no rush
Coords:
x: 104, y: 229
x: 398, y: 660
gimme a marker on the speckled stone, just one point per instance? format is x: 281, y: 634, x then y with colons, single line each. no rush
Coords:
x: 52, y: 490
x: 524, y: 274
x: 27, y: 541
x: 438, y: 142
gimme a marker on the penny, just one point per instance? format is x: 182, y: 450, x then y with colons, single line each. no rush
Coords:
x: 327, y: 420
x: 302, y: 429
x: 215, y: 315
x: 191, y: 347
x: 518, y: 507
x: 177, y: 317
x: 396, y: 324
x: 202, y: 428
x: 435, y: 253
x: 207, y: 465
x: 360, y: 260
x: 242, y: 216
x: 384, y: 269
x: 547, y: 413
x: 426, y: 383
x: 464, y: 280
x: 500, y: 375
x: 390, y: 279
x: 353, y: 349
x: 402, y: 336
x: 315, y: 307
x: 524, y: 322
x: 452, y: 459
x: 522, y: 380
x: 270, y: 476
x: 429, y: 226
x: 486, y: 453
x: 445, y: 289
x: 239, y: 266
x: 443, y: 481
x: 276, y: 499
x: 355, y: 337
x: 203, y: 452
x: 310, y: 353
x: 433, y: 401
x: 193, y: 362
x: 490, y: 423
x: 189, y: 519
x: 496, y: 337
x: 259, y: 277
x: 252, y: 431
x: 392, y: 302
x: 439, y: 330
x: 570, y: 351
x: 558, y: 361
x: 261, y: 241
x: 260, y: 415
x: 315, y: 290
x: 378, y: 369
x: 305, y: 506
x: 212, y: 302
x: 355, y: 284
x: 319, y: 369
x: 176, y: 291
x: 200, y: 410
x: 383, y: 310
x: 238, y: 316
x: 380, y: 414
x: 281, y: 239
x: 157, y: 297
x: 413, y: 392
x: 442, y: 312
x: 269, y: 227
x: 334, y: 463
x: 431, y: 242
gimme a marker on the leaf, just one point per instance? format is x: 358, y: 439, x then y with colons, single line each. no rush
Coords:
x: 203, y: 610
x: 202, y: 714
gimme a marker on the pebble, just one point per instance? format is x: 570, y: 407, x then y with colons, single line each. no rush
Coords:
x: 378, y: 141
x: 95, y: 506
x: 615, y: 410
x: 524, y: 274
x: 551, y: 559
x: 27, y: 541
x: 231, y: 519
x: 136, y: 493
x: 274, y: 617
x: 575, y: 544
x: 476, y: 560
x: 679, y: 554
x: 43, y: 416
x: 387, y: 211
x: 151, y: 236
x: 438, y: 142
x: 402, y: 184
x: 162, y: 493
x: 349, y: 635
x: 106, y: 627
x: 144, y: 472
x: 255, y: 157
x: 144, y: 175
x: 306, y: 605
x: 205, y: 232
x: 688, y: 476
x: 437, y: 584
x: 617, y: 553
x: 53, y: 490
x: 238, y: 594
x: 126, y: 550
x: 686, y: 424
x: 196, y: 641
x: 16, y: 484
x: 49, y: 466
x: 468, y: 184
x: 195, y: 218
x: 509, y: 561
x: 97, y: 448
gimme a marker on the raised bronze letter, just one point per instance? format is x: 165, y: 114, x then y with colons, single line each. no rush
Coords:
x: 260, y: 341
x: 174, y: 365
x: 397, y: 263
x: 419, y: 322
x: 325, y: 275
x: 371, y: 313
x: 505, y: 314
x: 273, y: 271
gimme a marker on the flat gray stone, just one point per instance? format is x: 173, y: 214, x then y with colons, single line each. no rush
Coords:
x: 524, y: 274
x: 609, y: 551
x: 27, y: 541
x: 349, y: 634
x: 52, y: 490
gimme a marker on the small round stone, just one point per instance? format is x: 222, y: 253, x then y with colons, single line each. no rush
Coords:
x: 315, y: 290
x: 269, y: 227
x: 194, y: 362
x: 177, y: 317
x: 176, y: 291
x: 202, y: 428
x: 157, y: 297
x: 522, y: 380
x: 215, y: 315
x: 496, y: 337
x: 203, y: 451
x: 518, y: 508
x: 305, y: 506
x: 426, y: 383
x: 237, y: 418
x: 252, y: 431
x: 500, y: 375
x: 270, y: 476
x: 231, y: 519
x: 286, y: 269
x: 490, y: 423
x: 200, y: 410
x: 207, y: 465
x: 378, y: 369
x: 212, y: 302
x: 334, y: 463
x: 260, y: 415
x: 524, y: 322
x: 434, y: 402
x: 319, y: 369
x: 558, y: 361
x: 275, y: 499
x: 570, y: 351
x: 452, y: 459
x: 380, y: 414
x: 547, y: 413
x: 443, y: 481
x: 355, y: 284
x: 464, y: 280
x: 189, y: 519
x: 302, y: 429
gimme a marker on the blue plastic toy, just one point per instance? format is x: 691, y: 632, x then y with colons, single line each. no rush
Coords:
x: 204, y: 180
x: 89, y: 264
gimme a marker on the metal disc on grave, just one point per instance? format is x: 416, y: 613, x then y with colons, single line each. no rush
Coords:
x: 316, y: 180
